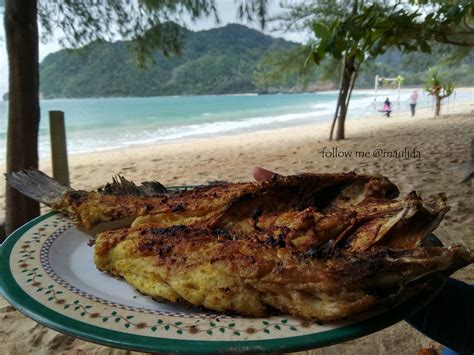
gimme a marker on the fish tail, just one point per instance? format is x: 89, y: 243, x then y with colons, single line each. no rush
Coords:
x: 37, y: 186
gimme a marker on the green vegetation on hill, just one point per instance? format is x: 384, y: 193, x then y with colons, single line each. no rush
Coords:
x: 217, y: 61
x: 226, y: 60
x: 455, y: 63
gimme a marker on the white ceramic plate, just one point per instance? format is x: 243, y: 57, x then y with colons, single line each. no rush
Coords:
x: 49, y: 275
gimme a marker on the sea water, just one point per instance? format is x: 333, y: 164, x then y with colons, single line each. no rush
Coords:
x: 97, y: 124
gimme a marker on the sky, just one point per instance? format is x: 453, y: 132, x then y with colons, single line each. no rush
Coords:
x: 227, y: 10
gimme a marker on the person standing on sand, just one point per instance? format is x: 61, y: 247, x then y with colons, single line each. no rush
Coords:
x: 412, y: 101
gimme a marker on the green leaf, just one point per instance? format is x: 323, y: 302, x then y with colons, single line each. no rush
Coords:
x: 222, y: 330
x: 114, y: 313
x: 277, y: 327
x: 265, y: 322
x: 127, y: 325
x: 266, y: 331
x: 425, y: 47
x: 236, y: 333
x: 320, y: 30
x: 209, y: 332
x: 167, y: 327
x: 340, y: 43
x: 153, y: 329
x: 179, y: 331
x: 284, y: 321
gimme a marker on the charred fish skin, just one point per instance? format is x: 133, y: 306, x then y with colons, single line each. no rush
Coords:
x: 306, y: 210
x: 228, y: 272
x: 123, y: 200
x: 222, y: 206
x: 397, y: 223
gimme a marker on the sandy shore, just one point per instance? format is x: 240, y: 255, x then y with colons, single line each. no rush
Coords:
x: 437, y: 148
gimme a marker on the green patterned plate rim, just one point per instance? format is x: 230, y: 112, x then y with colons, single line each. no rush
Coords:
x: 31, y: 282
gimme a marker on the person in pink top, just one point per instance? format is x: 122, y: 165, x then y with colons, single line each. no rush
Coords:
x: 412, y: 101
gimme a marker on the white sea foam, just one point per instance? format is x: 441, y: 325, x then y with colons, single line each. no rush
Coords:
x: 103, y: 124
x: 112, y: 139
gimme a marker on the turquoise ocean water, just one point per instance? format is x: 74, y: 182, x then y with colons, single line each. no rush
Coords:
x: 107, y: 123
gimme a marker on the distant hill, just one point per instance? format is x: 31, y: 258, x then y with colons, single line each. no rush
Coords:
x: 216, y: 61
x: 225, y: 60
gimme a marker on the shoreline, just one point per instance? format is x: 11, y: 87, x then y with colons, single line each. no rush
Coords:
x: 226, y: 128
x: 422, y: 113
x: 118, y: 159
x: 359, y: 89
x: 443, y: 144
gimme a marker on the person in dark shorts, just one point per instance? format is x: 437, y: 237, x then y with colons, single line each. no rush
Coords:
x: 412, y: 101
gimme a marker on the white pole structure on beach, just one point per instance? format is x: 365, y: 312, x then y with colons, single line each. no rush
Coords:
x: 398, y: 97
x: 375, y: 88
x: 58, y: 147
x: 398, y: 80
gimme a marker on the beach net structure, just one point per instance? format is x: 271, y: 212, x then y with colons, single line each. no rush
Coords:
x: 393, y: 85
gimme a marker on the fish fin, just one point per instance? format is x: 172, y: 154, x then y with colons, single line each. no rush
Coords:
x: 120, y: 186
x: 37, y: 185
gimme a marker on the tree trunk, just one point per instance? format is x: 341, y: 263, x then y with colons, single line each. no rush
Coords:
x: 338, y: 105
x: 438, y: 105
x: 21, y: 29
x: 345, y: 89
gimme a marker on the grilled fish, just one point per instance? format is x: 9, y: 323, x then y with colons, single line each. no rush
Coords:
x: 206, y: 203
x: 231, y: 272
x: 323, y: 246
x: 308, y: 209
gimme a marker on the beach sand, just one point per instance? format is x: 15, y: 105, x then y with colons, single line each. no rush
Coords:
x: 441, y: 146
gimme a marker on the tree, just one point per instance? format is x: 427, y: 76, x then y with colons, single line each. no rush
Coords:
x: 369, y: 28
x: 151, y: 23
x: 21, y: 31
x: 350, y: 40
x: 439, y: 88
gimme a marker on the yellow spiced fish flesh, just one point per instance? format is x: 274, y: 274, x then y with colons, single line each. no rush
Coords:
x: 228, y: 272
